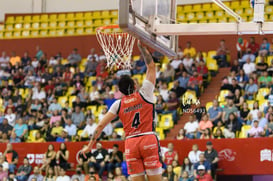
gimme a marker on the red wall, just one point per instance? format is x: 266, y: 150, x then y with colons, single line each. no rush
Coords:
x: 65, y: 44
x: 251, y: 156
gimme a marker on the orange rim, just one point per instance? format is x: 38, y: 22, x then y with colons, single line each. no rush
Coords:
x: 107, y: 27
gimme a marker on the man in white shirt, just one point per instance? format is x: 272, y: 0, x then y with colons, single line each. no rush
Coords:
x: 4, y: 163
x: 4, y: 60
x: 249, y: 66
x: 62, y: 176
x: 92, y: 55
x: 38, y: 93
x: 194, y: 154
x: 176, y: 62
x: 191, y: 127
x: 71, y: 128
x: 89, y: 128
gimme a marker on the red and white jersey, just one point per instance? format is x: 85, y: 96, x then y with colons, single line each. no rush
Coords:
x: 136, y: 111
x: 169, y: 157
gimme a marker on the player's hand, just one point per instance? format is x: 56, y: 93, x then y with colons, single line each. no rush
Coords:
x: 85, y: 150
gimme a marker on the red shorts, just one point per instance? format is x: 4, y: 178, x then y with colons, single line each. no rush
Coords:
x: 142, y: 153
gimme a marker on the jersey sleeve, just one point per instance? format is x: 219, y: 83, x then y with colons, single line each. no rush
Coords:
x: 147, y: 91
x: 115, y: 107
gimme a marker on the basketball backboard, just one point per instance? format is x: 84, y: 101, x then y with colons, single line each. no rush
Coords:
x: 135, y: 17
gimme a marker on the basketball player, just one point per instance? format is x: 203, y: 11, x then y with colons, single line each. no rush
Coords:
x: 136, y: 111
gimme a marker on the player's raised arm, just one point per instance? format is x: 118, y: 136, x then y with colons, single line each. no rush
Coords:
x: 151, y: 70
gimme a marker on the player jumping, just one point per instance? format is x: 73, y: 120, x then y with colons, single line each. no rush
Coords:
x: 136, y: 111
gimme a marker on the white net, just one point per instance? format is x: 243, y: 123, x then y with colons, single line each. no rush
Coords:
x: 117, y: 46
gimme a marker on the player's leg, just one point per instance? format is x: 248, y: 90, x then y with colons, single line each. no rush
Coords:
x: 133, y: 159
x: 150, y: 152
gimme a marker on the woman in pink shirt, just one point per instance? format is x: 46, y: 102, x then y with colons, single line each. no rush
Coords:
x: 204, y: 124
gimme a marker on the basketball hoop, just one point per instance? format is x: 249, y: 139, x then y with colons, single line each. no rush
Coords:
x: 117, y: 46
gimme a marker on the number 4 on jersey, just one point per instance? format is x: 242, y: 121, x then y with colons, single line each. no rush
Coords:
x: 136, y: 120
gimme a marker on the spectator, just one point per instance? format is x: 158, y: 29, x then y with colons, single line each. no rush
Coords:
x: 4, y: 163
x: 36, y: 175
x: 11, y: 117
x: 244, y: 111
x: 218, y: 134
x: 262, y: 120
x: 13, y: 138
x: 70, y: 127
x: 62, y: 157
x: 38, y: 93
x: 189, y: 50
x: 115, y: 159
x: 185, y: 176
x: 84, y: 160
x: 49, y: 158
x: 5, y: 128
x: 202, y: 175
x: 175, y: 63
x: 168, y: 74
x: 249, y: 66
x: 191, y: 127
x: 176, y: 168
x: 194, y: 154
x: 3, y: 174
x: 183, y: 81
x: 256, y: 131
x: 195, y: 82
x: 56, y: 130
x: 231, y: 126
x: 181, y: 135
x: 89, y: 128
x: 74, y: 58
x: 264, y: 80
x: 24, y: 170
x: 269, y: 127
x: 25, y: 58
x: 242, y: 78
x: 63, y: 176
x: 164, y: 92
x: 20, y: 129
x: 211, y: 156
x: 215, y: 112
x: 140, y: 66
x: 92, y: 175
x: 228, y: 109
x: 63, y: 137
x: 4, y: 60
x: 187, y: 166
x: 78, y: 175
x: 188, y: 62
x: 206, y: 134
x: 253, y: 114
x: 118, y: 175
x: 78, y: 117
x: 50, y: 176
x: 11, y: 157
x: 221, y: 55
x: 264, y: 48
x: 203, y: 162
x: 39, y: 53
x: 241, y: 47
x: 160, y: 104
x: 253, y: 46
x: 169, y: 174
x: 247, y: 55
x: 261, y: 65
x: 38, y: 138
x: 202, y: 69
x: 170, y: 155
x: 99, y: 159
x: 251, y: 89
x: 172, y: 106
x: 54, y: 106
x: 204, y: 124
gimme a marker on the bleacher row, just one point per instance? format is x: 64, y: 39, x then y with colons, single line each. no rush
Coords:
x: 85, y: 23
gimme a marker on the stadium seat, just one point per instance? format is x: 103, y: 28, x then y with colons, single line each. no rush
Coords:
x: 244, y: 131
x: 35, y: 25
x: 105, y: 14
x: 31, y: 136
x: 10, y: 20
x: 197, y: 7
x: 34, y: 33
x: 100, y: 108
x: 138, y: 77
x: 96, y: 15
x: 97, y: 22
x: 250, y: 104
x: 248, y: 11
x: 119, y: 131
x: 27, y: 26
x: 53, y: 17
x: 263, y: 104
x: 235, y: 4
x: 268, y: 9
x: 70, y: 31
x: 9, y: 27
x: 239, y: 11
x: 160, y: 133
x: 245, y: 4
x: 79, y: 133
x: 206, y: 6
x: 89, y: 31
x: 79, y: 23
x: 52, y: 24
x: 61, y: 17
x: 52, y: 32
x: 78, y: 16
x: 70, y: 91
x: 189, y: 97
x: 70, y: 16
x: 70, y: 24
x: 79, y: 31
x: 269, y: 60
x: 215, y: 7
x: 88, y: 23
x: 62, y: 100
x: 181, y: 17
x: 222, y: 95
x: 44, y: 18
x: 90, y: 81
x: 88, y: 15
x: 71, y: 100
x: 187, y: 8
x: 166, y: 121
x: 44, y: 25
x: 17, y: 34
x: 19, y: 19
x: 209, y: 105
x: 212, y: 65
x: 190, y: 16
x: 114, y: 14
x: 262, y: 92
x: 36, y: 18
x: 220, y: 13
x: 61, y: 24
x: 26, y: 33
x: 107, y: 21
x: 60, y: 32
